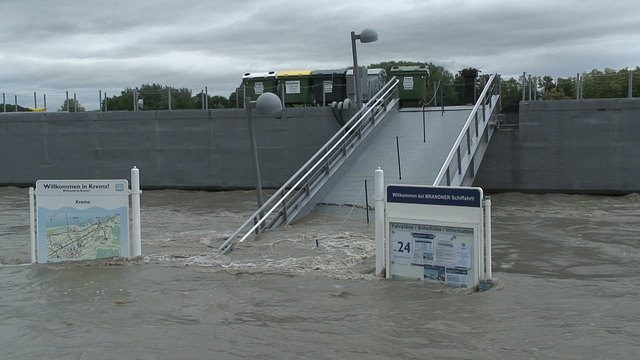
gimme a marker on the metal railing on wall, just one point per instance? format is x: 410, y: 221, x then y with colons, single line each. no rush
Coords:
x: 292, y: 196
x: 461, y: 154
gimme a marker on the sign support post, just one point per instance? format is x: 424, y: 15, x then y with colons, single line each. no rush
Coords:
x: 379, y: 221
x: 136, y: 241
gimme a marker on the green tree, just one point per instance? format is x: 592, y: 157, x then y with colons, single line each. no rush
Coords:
x: 511, y: 91
x: 181, y: 99
x: 235, y: 98
x: 12, y: 108
x: 124, y: 101
x: 605, y: 84
x: 154, y: 97
x: 72, y: 105
x: 565, y: 89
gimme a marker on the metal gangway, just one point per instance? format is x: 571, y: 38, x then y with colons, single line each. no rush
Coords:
x: 294, y: 196
x: 440, y: 146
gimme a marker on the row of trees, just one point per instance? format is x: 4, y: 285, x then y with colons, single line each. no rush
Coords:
x: 596, y: 84
x: 608, y: 83
x: 159, y: 97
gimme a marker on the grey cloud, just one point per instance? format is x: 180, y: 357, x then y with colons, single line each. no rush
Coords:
x: 96, y: 44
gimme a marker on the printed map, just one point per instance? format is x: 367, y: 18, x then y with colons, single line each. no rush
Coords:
x: 77, y: 235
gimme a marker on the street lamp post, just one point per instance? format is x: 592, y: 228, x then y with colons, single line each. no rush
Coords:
x: 267, y: 103
x: 366, y: 36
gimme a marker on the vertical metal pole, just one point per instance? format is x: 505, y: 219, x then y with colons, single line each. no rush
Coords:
x: 169, y: 99
x: 578, y: 86
x: 32, y: 223
x: 487, y: 238
x: 324, y: 95
x: 424, y: 125
x: 135, y: 99
x: 35, y: 101
x: 442, y: 99
x: 284, y: 90
x: 366, y: 199
x: 379, y: 222
x: 106, y: 102
x: 100, y: 100
x: 535, y: 88
x: 356, y: 71
x: 206, y: 98
x: 630, y: 86
x: 499, y: 104
x: 136, y: 241
x: 435, y: 98
x: 202, y: 98
x: 529, y: 83
x: 4, y: 103
x: 16, y: 103
x: 398, y: 150
x: 524, y: 85
x: 254, y: 151
x: 44, y: 97
x: 67, y: 100
x: 75, y: 103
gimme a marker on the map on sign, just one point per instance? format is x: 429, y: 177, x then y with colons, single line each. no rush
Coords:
x: 81, y: 235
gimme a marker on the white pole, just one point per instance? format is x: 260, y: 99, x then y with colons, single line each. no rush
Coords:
x: 379, y: 220
x: 32, y: 223
x: 136, y: 241
x: 487, y: 237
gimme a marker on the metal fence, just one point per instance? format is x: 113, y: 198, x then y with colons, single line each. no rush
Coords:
x: 94, y: 100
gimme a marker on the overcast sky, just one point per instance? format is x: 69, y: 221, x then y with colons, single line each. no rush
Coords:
x: 85, y: 46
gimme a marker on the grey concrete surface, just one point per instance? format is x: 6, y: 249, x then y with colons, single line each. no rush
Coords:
x: 205, y: 149
x: 565, y: 146
x: 420, y: 161
x: 581, y: 146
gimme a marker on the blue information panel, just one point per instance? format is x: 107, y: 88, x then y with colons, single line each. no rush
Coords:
x: 470, y: 197
x: 433, y: 234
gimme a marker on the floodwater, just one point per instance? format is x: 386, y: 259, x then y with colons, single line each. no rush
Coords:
x: 566, y: 269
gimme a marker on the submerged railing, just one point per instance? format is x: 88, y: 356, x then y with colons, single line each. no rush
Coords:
x: 293, y: 195
x: 461, y: 154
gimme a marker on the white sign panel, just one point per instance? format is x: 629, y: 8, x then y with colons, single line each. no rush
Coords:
x: 407, y: 82
x: 258, y: 88
x: 292, y: 86
x: 434, y: 234
x: 328, y: 87
x: 82, y: 219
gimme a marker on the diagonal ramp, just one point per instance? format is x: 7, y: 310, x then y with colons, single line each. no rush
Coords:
x: 425, y: 146
x: 411, y: 148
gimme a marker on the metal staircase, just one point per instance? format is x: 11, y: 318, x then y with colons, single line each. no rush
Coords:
x: 286, y: 203
x: 463, y: 161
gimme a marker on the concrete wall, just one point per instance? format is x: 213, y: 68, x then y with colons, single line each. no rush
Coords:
x: 176, y: 149
x: 565, y: 146
x: 586, y: 146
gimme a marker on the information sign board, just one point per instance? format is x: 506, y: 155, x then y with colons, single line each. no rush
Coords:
x: 82, y: 219
x: 258, y: 88
x: 407, y: 83
x: 292, y: 86
x: 328, y: 86
x: 434, y: 234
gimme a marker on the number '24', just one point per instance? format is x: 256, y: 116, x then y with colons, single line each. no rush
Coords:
x: 402, y: 247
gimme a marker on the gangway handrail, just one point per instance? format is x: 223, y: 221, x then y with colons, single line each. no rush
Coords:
x: 488, y: 91
x: 337, y: 144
